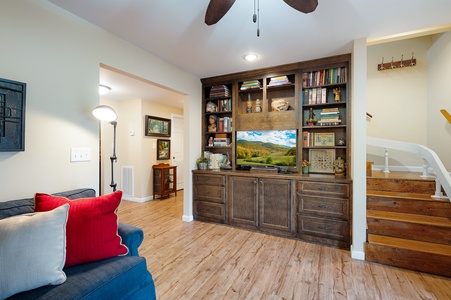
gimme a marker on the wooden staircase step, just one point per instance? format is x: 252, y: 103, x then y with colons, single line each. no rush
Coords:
x: 408, y: 226
x: 410, y: 218
x: 417, y: 186
x: 414, y: 196
x: 410, y: 244
x: 408, y: 203
x: 412, y: 255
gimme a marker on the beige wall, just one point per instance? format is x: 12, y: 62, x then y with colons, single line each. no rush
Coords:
x: 137, y: 151
x: 58, y: 55
x: 439, y: 97
x: 405, y: 102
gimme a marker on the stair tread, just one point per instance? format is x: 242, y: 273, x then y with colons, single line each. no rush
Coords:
x: 410, y: 218
x: 410, y: 244
x: 414, y: 196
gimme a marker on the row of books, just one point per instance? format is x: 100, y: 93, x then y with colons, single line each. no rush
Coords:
x: 217, y: 91
x: 220, y: 142
x: 224, y: 105
x: 329, y: 117
x: 223, y: 124
x: 278, y: 81
x: 323, y: 77
x: 251, y: 84
x: 315, y: 96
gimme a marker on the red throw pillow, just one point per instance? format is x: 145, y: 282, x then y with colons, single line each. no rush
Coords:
x: 92, y: 226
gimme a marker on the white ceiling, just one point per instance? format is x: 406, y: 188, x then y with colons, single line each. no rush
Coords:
x: 174, y: 30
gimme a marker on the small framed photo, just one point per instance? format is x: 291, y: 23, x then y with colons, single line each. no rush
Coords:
x: 163, y: 149
x: 324, y: 139
x: 156, y: 126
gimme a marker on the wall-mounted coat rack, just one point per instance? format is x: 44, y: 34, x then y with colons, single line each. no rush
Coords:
x: 397, y: 64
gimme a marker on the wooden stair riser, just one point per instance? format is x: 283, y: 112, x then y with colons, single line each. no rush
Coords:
x: 410, y: 206
x: 406, y: 230
x: 410, y: 259
x: 426, y: 187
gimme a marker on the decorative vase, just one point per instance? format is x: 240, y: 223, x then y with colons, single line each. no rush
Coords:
x: 202, y: 165
x: 305, y: 170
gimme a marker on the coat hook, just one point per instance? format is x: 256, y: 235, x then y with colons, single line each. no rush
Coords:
x: 382, y: 65
x: 412, y: 63
x: 391, y: 64
x: 401, y: 65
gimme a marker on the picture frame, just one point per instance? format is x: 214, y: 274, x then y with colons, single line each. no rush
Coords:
x: 325, y: 139
x: 12, y: 115
x: 163, y: 149
x: 322, y: 160
x: 156, y: 126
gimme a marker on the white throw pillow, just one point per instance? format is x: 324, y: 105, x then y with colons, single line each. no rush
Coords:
x: 32, y: 250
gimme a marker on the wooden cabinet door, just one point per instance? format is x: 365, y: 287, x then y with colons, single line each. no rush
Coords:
x: 275, y: 204
x: 243, y: 200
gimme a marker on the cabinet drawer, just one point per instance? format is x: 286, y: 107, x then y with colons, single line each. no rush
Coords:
x: 323, y: 206
x: 209, y: 179
x: 334, y: 229
x: 209, y: 210
x: 213, y: 193
x: 324, y: 188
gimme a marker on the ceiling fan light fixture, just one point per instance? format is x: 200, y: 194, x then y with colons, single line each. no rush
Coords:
x: 250, y: 57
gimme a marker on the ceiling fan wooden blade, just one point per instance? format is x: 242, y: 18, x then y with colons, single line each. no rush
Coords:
x: 216, y: 10
x: 304, y: 6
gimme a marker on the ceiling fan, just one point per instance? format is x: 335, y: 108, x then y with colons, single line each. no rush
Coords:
x: 218, y: 8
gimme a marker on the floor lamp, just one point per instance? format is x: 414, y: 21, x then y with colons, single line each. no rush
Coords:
x: 106, y: 113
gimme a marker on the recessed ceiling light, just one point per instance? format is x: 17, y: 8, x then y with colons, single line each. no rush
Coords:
x: 103, y: 89
x: 250, y: 57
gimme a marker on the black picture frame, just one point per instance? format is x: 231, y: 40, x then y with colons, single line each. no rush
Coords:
x: 163, y: 149
x: 12, y: 115
x: 156, y: 126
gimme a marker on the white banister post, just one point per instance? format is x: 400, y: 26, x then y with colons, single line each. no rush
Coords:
x: 425, y: 169
x: 438, y: 189
x: 386, y: 170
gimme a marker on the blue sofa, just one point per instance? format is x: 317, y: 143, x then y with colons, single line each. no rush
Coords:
x: 121, y: 277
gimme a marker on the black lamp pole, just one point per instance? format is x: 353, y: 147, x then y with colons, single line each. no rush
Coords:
x: 113, y: 158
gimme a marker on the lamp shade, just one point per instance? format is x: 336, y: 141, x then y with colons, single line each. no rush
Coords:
x: 104, y: 113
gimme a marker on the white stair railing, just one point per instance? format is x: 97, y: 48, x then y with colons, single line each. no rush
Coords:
x: 430, y: 159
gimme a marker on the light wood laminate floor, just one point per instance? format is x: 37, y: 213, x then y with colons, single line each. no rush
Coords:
x: 198, y: 260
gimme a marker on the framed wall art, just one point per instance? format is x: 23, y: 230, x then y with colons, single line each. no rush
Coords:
x: 163, y: 149
x: 156, y: 126
x: 12, y: 115
x: 322, y: 160
x: 324, y: 139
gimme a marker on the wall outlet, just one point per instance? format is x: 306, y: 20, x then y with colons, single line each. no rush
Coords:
x: 80, y: 154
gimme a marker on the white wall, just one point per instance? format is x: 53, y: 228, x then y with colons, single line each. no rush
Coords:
x: 439, y: 97
x: 58, y: 55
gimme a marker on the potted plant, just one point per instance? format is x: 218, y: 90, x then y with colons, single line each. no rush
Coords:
x: 202, y: 163
x: 305, y: 166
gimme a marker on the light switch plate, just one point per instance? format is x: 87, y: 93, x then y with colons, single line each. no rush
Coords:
x: 80, y: 154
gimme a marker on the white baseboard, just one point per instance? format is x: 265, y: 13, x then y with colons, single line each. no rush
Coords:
x: 360, y: 255
x: 187, y: 218
x: 416, y: 169
x: 141, y: 200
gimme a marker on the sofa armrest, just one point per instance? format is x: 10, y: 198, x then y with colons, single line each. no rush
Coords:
x: 132, y: 237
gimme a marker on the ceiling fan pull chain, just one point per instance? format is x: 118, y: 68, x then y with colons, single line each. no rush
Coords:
x: 258, y: 18
x: 254, y: 17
